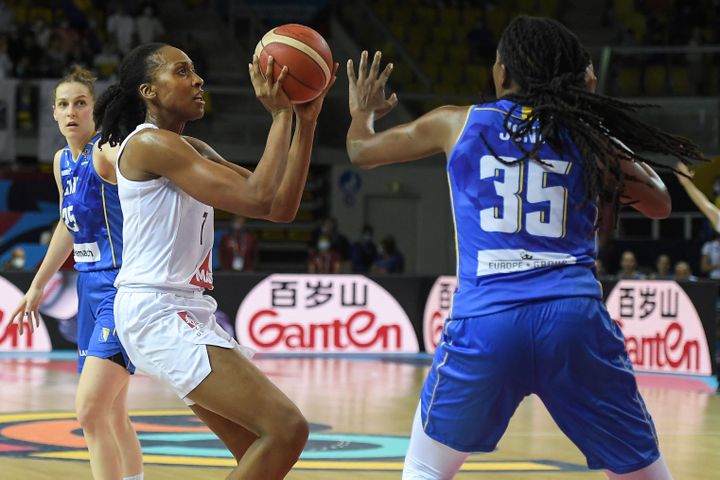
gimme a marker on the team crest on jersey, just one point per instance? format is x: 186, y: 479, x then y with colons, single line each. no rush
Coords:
x: 203, y: 277
x: 191, y: 322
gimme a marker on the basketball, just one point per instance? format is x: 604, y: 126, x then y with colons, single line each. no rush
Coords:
x: 307, y: 56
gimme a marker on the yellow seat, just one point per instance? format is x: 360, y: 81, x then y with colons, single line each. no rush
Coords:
x: 432, y: 70
x: 624, y: 7
x: 549, y: 8
x: 629, y: 81
x: 680, y: 82
x: 459, y: 53
x: 496, y: 21
x: 435, y: 53
x: 443, y: 33
x: 451, y: 16
x: 426, y: 16
x: 477, y: 76
x: 655, y: 80
x: 452, y: 74
x: 526, y: 6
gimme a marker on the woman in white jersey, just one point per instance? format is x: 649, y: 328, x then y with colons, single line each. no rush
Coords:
x: 168, y: 187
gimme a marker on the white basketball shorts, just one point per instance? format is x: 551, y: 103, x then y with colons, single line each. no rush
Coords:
x: 165, y: 335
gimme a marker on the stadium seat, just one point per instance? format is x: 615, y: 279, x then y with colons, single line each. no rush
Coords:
x: 629, y: 81
x: 680, y: 81
x: 655, y: 80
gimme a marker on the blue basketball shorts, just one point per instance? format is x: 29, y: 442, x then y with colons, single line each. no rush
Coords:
x: 96, y: 322
x: 568, y: 352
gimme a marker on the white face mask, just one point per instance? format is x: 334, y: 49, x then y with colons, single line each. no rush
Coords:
x: 323, y: 245
x: 18, y: 262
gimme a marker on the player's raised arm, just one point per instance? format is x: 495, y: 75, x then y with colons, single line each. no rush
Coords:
x: 430, y: 134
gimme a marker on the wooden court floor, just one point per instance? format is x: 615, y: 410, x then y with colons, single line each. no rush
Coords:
x: 360, y: 410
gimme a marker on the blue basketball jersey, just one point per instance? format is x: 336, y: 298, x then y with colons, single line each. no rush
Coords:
x: 524, y: 231
x: 91, y: 212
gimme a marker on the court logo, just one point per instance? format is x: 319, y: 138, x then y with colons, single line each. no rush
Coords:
x: 177, y: 437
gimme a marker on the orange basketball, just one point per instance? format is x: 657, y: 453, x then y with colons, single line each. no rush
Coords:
x: 306, y: 54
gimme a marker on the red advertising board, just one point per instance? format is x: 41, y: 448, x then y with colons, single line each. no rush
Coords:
x: 10, y: 339
x: 437, y: 309
x: 323, y: 314
x: 663, y: 331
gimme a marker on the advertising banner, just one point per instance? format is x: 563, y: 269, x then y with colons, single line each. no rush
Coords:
x: 437, y: 309
x: 323, y: 314
x: 10, y: 338
x: 662, y: 328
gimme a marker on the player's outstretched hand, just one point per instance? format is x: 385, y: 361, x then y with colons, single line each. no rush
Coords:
x: 309, y: 111
x: 367, y: 89
x: 27, y: 310
x: 268, y: 89
x: 687, y: 174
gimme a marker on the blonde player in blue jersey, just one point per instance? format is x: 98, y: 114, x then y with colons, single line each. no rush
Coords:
x: 528, y: 174
x: 91, y: 229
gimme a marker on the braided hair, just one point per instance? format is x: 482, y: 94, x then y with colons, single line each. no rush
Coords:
x: 120, y: 108
x: 548, y: 63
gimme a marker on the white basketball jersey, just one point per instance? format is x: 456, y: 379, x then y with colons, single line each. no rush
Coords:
x: 167, y: 234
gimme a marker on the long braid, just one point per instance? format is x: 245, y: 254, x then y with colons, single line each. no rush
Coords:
x: 548, y: 63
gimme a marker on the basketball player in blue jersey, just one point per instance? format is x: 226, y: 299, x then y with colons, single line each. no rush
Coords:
x: 528, y: 175
x: 91, y: 228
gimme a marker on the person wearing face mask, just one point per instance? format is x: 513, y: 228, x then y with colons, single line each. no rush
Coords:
x: 238, y: 248
x: 16, y: 261
x: 324, y: 259
x: 364, y: 251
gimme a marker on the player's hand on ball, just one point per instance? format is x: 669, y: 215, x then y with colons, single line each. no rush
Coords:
x: 267, y: 89
x: 367, y: 89
x: 309, y: 111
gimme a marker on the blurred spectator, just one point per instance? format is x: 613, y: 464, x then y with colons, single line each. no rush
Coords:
x: 628, y: 267
x: 683, y: 272
x: 481, y: 41
x: 149, y: 27
x: 323, y: 258
x: 710, y: 259
x: 121, y: 27
x: 193, y: 48
x: 6, y: 65
x: 238, y: 247
x: 16, y: 261
x: 42, y: 33
x: 69, y: 38
x: 696, y: 63
x: 106, y: 61
x: 389, y: 260
x: 600, y: 268
x: 338, y: 242
x: 7, y: 18
x: 46, y: 235
x: 364, y: 251
x: 662, y: 268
